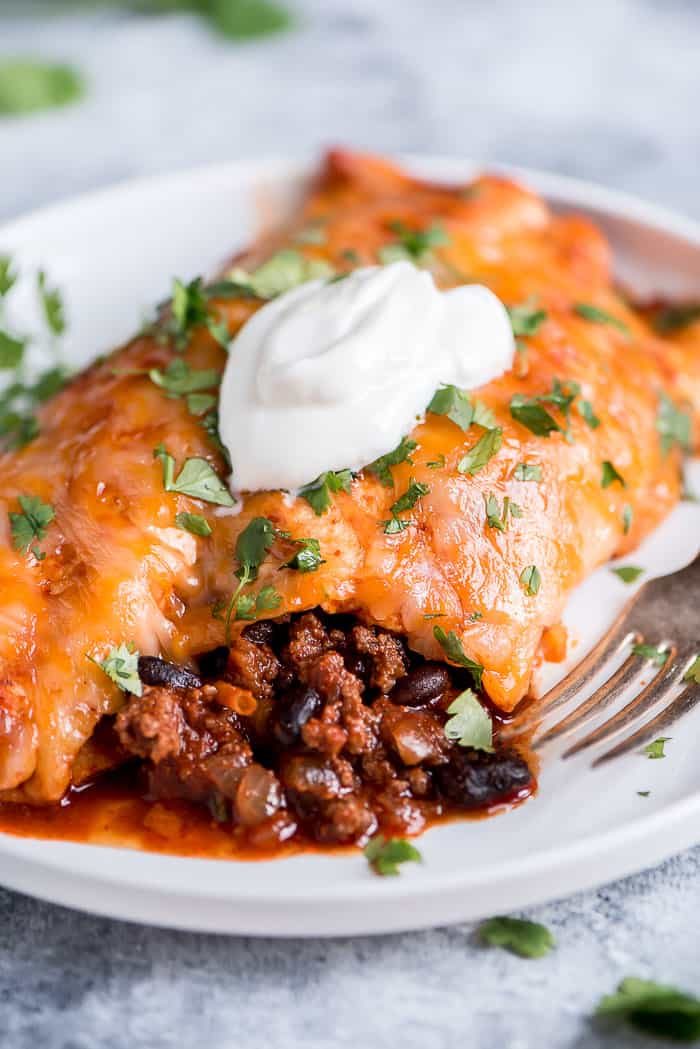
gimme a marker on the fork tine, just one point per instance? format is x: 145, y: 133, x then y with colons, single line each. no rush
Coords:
x: 653, y: 693
x: 618, y: 637
x: 598, y: 701
x: 688, y: 698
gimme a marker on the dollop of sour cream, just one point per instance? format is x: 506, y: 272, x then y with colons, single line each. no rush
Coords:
x: 331, y: 375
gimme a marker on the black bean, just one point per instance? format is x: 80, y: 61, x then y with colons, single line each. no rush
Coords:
x: 212, y: 664
x: 474, y: 779
x: 421, y: 685
x: 155, y: 671
x: 292, y: 710
x: 261, y: 633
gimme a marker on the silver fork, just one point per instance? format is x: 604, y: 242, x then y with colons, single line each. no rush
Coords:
x: 663, y: 613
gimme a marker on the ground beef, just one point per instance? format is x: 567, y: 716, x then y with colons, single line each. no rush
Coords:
x: 314, y: 725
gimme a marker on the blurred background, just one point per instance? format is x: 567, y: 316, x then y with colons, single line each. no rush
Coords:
x: 602, y: 90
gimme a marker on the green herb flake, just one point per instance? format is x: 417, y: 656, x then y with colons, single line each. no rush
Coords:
x: 401, y: 454
x: 530, y: 412
x: 482, y: 452
x: 655, y: 749
x: 194, y: 523
x: 122, y: 666
x: 51, y: 305
x: 528, y: 472
x: 179, y: 379
x: 248, y: 19
x: 318, y: 493
x: 628, y: 573
x: 437, y: 464
x: 27, y: 86
x: 526, y: 319
x: 413, y: 245
x: 253, y: 545
x: 609, y: 475
x: 8, y: 276
x: 396, y: 525
x: 31, y: 524
x: 585, y: 409
x: 285, y: 270
x: 627, y: 515
x: 452, y: 647
x: 11, y: 350
x: 644, y: 793
x: 199, y: 403
x: 495, y: 516
x: 411, y: 496
x: 597, y: 316
x: 454, y: 403
x: 657, y: 656
x: 530, y: 579
x: 307, y: 558
x: 654, y: 1008
x: 524, y: 938
x: 673, y: 425
x: 469, y: 724
x: 693, y: 671
x: 385, y: 855
x: 197, y: 479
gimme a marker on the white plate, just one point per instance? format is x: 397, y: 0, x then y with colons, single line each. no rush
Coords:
x: 114, y: 253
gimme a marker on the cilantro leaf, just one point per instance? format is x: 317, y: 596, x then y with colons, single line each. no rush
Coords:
x: 122, y: 666
x: 628, y: 573
x: 307, y: 558
x: 609, y: 475
x: 673, y: 425
x: 179, y: 379
x: 470, y: 724
x: 528, y: 472
x: 8, y: 276
x: 198, y: 404
x: 194, y: 523
x: 318, y: 493
x: 655, y: 749
x: 386, y: 854
x: 480, y: 453
x: 532, y: 414
x: 525, y: 938
x: 286, y: 269
x: 249, y: 606
x: 673, y: 318
x: 497, y: 518
x: 253, y: 545
x: 401, y: 454
x: 197, y: 478
x: 526, y: 319
x: 586, y: 412
x: 653, y: 653
x: 31, y: 524
x: 51, y: 305
x: 413, y: 245
x: 452, y: 647
x: 530, y: 578
x: 693, y: 671
x: 247, y: 19
x: 655, y: 1008
x: 483, y: 416
x: 437, y: 464
x: 408, y: 500
x: 454, y: 403
x: 627, y: 514
x: 11, y: 350
x: 597, y: 316
x: 27, y: 86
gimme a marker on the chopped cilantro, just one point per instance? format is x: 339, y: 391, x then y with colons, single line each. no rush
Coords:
x: 384, y: 855
x: 526, y: 319
x: 483, y: 416
x: 395, y: 525
x: 469, y: 724
x: 51, y: 305
x: 286, y: 269
x: 597, y: 316
x: 532, y: 414
x: 452, y: 647
x: 497, y: 518
x: 654, y: 1008
x: 413, y: 245
x: 484, y: 450
x: 194, y: 523
x: 530, y: 578
x: 199, y: 403
x: 318, y: 493
x: 11, y: 350
x: 197, y: 478
x: 401, y: 454
x: 407, y: 501
x: 122, y: 666
x: 627, y: 514
x: 609, y: 475
x: 655, y: 749
x: 249, y: 606
x: 247, y: 19
x: 672, y: 424
x: 180, y: 379
x: 31, y: 524
x: 628, y: 573
x: 27, y: 86
x: 307, y: 558
x: 437, y: 464
x: 644, y: 793
x: 528, y: 472
x: 525, y: 938
x: 454, y: 403
x: 586, y: 412
x: 653, y: 653
x: 693, y: 671
x: 8, y: 276
x: 252, y: 547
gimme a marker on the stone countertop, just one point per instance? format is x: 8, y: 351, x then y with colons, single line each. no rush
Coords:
x: 602, y: 90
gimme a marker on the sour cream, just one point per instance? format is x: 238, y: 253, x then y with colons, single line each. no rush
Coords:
x: 331, y: 375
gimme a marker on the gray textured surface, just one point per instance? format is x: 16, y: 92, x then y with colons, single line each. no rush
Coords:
x: 604, y: 90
